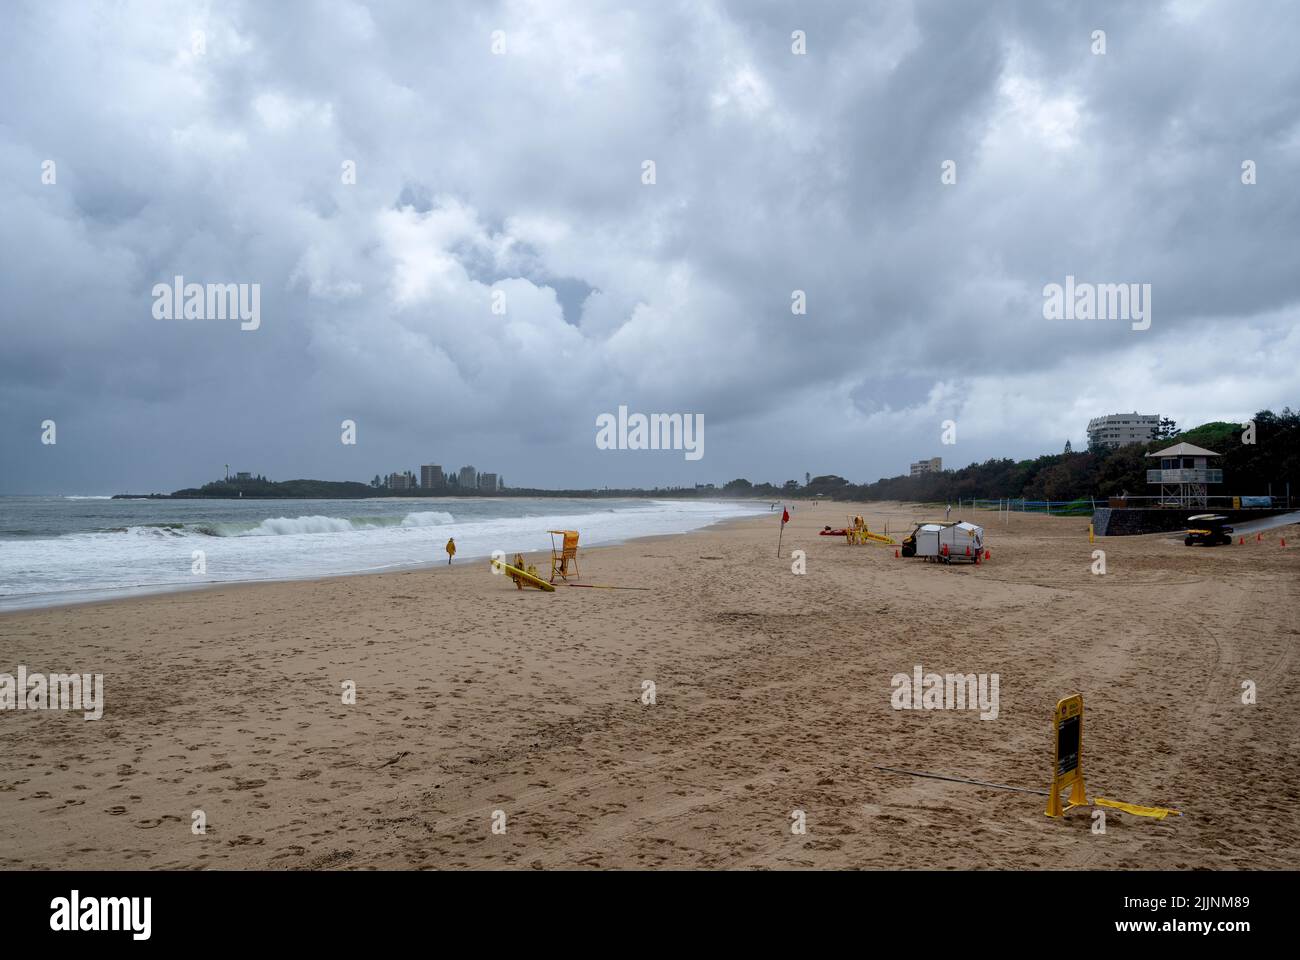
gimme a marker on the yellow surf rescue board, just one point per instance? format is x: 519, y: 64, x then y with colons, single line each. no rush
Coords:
x: 516, y: 574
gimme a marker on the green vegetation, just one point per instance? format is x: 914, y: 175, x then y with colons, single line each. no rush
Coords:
x: 261, y: 487
x: 1248, y: 469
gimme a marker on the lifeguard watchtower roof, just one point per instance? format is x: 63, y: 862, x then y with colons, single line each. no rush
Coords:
x: 1184, y: 450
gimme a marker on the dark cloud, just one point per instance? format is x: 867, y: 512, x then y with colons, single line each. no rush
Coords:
x: 521, y: 173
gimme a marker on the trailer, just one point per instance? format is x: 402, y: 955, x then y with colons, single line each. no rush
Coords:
x: 945, y: 541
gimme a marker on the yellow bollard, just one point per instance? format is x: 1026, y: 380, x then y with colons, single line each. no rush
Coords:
x: 1090, y: 537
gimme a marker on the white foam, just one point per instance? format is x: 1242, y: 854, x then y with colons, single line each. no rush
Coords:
x: 286, y: 526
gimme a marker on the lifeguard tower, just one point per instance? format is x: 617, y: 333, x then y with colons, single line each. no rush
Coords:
x: 1184, y: 475
x: 564, y: 555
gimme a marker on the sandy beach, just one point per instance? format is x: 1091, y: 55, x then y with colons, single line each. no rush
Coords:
x: 772, y: 694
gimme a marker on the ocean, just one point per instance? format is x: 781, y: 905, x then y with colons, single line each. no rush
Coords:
x: 56, y: 550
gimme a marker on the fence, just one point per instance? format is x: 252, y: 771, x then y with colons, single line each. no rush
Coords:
x: 1085, y: 506
x: 1059, y: 508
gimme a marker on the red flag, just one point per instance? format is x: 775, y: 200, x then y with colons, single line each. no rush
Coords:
x: 785, y: 517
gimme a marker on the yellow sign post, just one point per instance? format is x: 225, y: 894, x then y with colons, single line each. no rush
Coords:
x: 1067, y: 768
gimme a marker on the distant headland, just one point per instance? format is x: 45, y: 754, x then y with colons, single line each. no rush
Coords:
x: 259, y: 488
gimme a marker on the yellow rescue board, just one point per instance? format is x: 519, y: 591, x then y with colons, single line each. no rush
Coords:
x: 527, y: 578
x: 878, y: 537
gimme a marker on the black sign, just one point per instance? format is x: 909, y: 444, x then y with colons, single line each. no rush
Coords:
x: 1067, y: 745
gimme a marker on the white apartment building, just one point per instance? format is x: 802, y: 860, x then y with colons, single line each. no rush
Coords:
x: 933, y: 465
x: 1119, y: 429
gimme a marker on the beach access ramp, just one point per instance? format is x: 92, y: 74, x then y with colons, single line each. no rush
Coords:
x: 1267, y: 523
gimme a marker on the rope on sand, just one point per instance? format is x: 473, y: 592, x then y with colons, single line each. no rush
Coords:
x: 978, y: 783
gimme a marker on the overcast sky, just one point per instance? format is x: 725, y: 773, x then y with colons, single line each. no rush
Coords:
x: 220, y: 157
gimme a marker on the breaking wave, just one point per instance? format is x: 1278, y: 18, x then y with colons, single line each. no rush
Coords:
x: 287, y: 526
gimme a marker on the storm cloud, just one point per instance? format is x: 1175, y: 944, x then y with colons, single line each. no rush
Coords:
x: 500, y: 149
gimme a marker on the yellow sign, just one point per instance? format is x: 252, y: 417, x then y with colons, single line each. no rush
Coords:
x: 1067, y: 765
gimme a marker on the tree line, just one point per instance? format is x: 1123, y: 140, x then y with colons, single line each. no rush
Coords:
x: 1249, y: 469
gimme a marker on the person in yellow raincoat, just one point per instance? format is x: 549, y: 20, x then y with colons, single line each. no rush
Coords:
x: 451, y: 549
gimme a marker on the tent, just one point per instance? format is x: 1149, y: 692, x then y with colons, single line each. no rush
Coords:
x: 960, y: 538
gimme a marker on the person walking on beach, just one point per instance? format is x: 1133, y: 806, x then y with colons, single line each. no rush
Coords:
x: 451, y: 549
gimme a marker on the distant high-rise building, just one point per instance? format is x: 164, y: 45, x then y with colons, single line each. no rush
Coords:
x: 487, y: 483
x: 933, y: 465
x: 243, y: 476
x: 431, y: 477
x: 1120, y: 429
x: 400, y: 481
x: 468, y: 478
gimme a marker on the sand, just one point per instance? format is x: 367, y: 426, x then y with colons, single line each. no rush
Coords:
x: 773, y: 695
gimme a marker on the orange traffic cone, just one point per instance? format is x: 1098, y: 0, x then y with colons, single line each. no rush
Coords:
x: 988, y: 554
x: 1241, y: 542
x: 1259, y: 538
x: 895, y: 554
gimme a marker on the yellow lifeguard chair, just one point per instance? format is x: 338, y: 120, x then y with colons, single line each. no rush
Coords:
x: 564, y: 561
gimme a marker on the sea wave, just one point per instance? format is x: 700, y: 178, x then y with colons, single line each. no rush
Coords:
x: 150, y: 547
x: 427, y: 518
x: 151, y: 530
x: 282, y: 526
x: 287, y: 526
